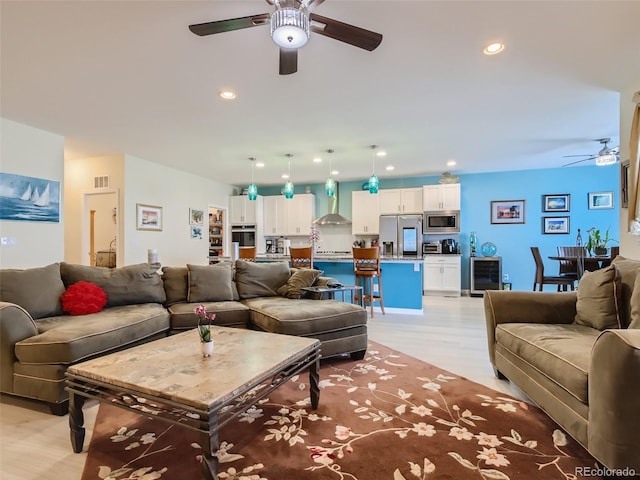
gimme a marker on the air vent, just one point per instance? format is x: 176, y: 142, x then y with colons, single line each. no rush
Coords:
x: 101, y: 182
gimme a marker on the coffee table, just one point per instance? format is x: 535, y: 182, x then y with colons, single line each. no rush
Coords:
x: 170, y: 380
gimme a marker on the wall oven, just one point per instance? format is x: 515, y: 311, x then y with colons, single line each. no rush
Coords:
x: 441, y: 222
x: 245, y: 235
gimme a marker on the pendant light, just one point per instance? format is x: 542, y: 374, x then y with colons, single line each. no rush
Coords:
x: 288, y: 186
x: 252, y: 191
x: 374, y: 183
x: 330, y: 183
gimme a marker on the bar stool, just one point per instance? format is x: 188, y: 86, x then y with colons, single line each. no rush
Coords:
x: 301, y: 257
x: 366, y: 266
x: 247, y: 253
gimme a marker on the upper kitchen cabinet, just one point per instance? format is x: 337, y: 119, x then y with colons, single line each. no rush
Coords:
x: 300, y: 213
x: 400, y: 200
x: 243, y: 211
x: 365, y: 213
x: 275, y: 216
x: 441, y: 197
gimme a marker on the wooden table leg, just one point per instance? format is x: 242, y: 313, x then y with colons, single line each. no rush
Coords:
x: 76, y: 421
x: 314, y: 379
x: 210, y: 446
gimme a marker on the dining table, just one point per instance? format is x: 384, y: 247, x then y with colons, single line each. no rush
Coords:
x: 585, y: 263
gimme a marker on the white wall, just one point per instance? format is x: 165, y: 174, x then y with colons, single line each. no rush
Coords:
x: 629, y: 245
x: 175, y: 191
x: 34, y: 153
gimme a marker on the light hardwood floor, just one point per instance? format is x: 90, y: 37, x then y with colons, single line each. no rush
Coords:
x: 35, y: 445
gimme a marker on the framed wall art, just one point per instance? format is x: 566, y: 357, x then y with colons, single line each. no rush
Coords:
x: 196, y: 217
x: 556, y: 202
x: 557, y: 225
x: 600, y: 200
x: 148, y: 217
x: 29, y: 199
x: 507, y: 211
x: 196, y: 232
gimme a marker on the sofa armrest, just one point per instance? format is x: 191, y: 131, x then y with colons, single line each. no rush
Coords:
x: 15, y: 324
x: 510, y: 306
x: 614, y: 389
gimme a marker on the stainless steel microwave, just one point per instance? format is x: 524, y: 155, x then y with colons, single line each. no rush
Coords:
x: 441, y: 222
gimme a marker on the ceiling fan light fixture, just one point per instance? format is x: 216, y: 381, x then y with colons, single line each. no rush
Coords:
x: 493, y: 48
x: 606, y: 159
x: 290, y: 27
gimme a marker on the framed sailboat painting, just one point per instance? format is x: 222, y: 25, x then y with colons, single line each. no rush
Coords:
x: 29, y: 199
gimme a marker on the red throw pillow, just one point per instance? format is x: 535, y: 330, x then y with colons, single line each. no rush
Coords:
x: 83, y: 298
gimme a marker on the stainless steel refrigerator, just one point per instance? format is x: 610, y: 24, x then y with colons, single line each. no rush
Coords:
x: 401, y: 235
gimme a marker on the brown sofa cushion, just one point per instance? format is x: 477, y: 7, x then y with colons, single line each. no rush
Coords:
x: 260, y: 279
x: 129, y: 285
x: 299, y: 279
x: 37, y: 290
x: 628, y: 272
x: 176, y: 284
x: 635, y: 304
x: 599, y: 296
x: 210, y: 283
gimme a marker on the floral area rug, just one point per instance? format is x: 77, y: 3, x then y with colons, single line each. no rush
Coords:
x: 387, y: 417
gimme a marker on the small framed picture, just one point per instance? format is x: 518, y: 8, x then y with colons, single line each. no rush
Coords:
x: 624, y: 184
x: 507, y: 211
x: 557, y: 225
x: 196, y: 217
x: 556, y: 203
x: 600, y: 200
x: 148, y: 217
x: 196, y: 232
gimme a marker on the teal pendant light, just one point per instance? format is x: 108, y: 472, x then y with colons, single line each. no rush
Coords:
x: 288, y: 186
x: 252, y: 191
x: 374, y: 183
x: 330, y: 183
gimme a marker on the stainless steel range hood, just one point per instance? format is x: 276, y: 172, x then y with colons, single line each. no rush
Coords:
x: 333, y: 217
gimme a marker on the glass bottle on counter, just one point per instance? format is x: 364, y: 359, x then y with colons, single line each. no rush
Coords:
x: 473, y: 242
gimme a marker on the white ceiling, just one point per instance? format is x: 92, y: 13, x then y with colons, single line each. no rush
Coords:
x: 129, y: 77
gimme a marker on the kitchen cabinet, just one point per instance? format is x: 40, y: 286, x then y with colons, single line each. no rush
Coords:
x: 300, y: 212
x: 441, y: 197
x: 401, y: 200
x: 243, y: 211
x: 486, y: 274
x: 365, y: 213
x: 442, y: 275
x: 275, y: 216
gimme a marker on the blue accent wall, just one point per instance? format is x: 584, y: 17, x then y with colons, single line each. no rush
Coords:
x: 512, y: 240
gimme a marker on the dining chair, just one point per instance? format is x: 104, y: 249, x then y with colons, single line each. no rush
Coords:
x: 247, y: 253
x: 301, y: 257
x: 366, y: 267
x: 572, y: 268
x: 542, y: 279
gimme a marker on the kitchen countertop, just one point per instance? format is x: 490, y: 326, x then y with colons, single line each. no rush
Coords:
x: 335, y: 257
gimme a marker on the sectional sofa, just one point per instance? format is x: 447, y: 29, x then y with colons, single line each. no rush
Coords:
x: 39, y: 340
x: 577, y: 356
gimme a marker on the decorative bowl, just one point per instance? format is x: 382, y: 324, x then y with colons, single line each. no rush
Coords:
x: 488, y: 249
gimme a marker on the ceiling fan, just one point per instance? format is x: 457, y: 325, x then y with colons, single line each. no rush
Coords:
x: 291, y: 24
x: 606, y: 156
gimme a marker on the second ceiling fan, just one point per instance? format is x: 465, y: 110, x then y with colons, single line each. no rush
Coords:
x: 606, y: 155
x: 291, y: 24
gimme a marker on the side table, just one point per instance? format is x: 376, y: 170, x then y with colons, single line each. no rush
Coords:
x: 330, y: 293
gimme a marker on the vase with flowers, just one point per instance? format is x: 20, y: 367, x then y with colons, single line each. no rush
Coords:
x: 598, y: 242
x: 204, y: 329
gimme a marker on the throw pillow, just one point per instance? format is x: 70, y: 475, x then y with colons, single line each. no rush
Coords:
x: 176, y: 284
x: 629, y: 268
x: 37, y: 290
x: 83, y: 298
x: 598, y: 300
x: 129, y: 285
x: 301, y: 278
x: 210, y: 283
x: 260, y: 279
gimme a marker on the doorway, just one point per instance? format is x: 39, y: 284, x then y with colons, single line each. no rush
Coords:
x: 100, y: 227
x: 217, y: 219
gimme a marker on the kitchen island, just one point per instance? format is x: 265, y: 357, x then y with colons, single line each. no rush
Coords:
x: 401, y: 278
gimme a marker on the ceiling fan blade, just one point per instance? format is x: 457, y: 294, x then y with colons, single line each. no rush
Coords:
x: 229, y: 25
x: 356, y: 36
x: 582, y: 155
x: 288, y: 61
x: 579, y: 161
x: 315, y: 3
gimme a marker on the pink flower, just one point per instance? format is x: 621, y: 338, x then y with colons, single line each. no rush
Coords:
x: 460, y: 433
x: 424, y: 430
x: 489, y: 440
x: 421, y: 410
x: 342, y: 433
x: 492, y: 457
x: 320, y: 455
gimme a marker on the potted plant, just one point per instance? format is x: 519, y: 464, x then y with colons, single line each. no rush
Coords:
x: 204, y: 329
x: 598, y: 242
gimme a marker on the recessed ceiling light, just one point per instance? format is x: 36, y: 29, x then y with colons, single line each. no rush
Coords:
x: 259, y: 164
x: 285, y: 175
x: 317, y: 160
x: 381, y: 153
x: 388, y: 168
x: 493, y: 48
x: 451, y: 163
x: 335, y: 172
x: 228, y: 94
